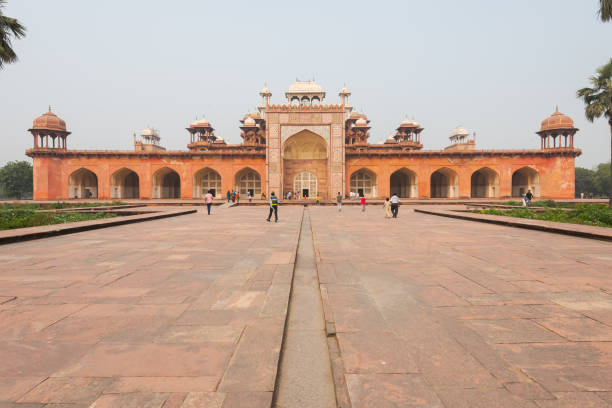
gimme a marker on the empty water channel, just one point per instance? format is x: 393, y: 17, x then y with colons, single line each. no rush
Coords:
x: 305, y: 376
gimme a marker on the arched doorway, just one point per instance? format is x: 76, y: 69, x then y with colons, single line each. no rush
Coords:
x: 404, y: 184
x: 485, y: 183
x: 166, y: 183
x: 125, y: 183
x: 525, y: 179
x: 83, y: 184
x: 363, y: 183
x: 444, y: 184
x: 305, y: 158
x: 248, y: 180
x: 206, y: 180
x: 306, y: 184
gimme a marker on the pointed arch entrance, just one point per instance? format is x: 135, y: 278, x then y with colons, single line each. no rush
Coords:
x: 305, y: 162
x: 248, y: 180
x: 363, y: 182
x: 206, y: 180
x: 525, y: 179
x: 83, y: 184
x: 484, y: 183
x: 403, y: 182
x: 125, y: 183
x: 166, y: 183
x: 444, y: 183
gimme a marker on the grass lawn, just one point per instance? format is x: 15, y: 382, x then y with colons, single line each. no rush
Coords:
x: 12, y: 218
x: 588, y: 214
x: 55, y: 206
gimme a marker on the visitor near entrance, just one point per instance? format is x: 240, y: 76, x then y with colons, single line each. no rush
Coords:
x: 228, y: 196
x: 395, y: 205
x: 273, y: 207
x: 339, y: 201
x: 528, y: 197
x: 209, y: 199
x: 387, y: 208
x: 363, y: 203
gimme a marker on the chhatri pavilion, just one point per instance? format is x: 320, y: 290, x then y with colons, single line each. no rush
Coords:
x: 303, y: 145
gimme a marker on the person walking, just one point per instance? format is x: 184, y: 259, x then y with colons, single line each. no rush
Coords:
x: 318, y: 202
x: 528, y: 197
x: 273, y: 207
x: 339, y: 201
x: 237, y: 197
x: 363, y: 203
x: 387, y: 208
x: 233, y: 196
x: 228, y: 195
x: 395, y: 205
x: 208, y: 198
x: 250, y: 197
x: 263, y: 195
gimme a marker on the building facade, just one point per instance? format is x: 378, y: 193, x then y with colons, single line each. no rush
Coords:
x: 304, y: 146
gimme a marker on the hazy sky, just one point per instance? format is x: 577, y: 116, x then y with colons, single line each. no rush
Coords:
x: 110, y: 68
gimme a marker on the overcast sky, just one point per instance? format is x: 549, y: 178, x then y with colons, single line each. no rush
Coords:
x: 111, y: 68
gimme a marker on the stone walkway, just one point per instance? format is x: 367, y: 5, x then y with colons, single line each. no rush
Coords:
x: 181, y: 312
x: 189, y: 312
x: 437, y: 312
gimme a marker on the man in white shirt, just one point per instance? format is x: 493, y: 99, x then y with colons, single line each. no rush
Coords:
x: 394, y: 205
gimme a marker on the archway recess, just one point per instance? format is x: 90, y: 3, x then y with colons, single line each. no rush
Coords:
x: 403, y: 182
x: 83, y: 184
x: 484, y: 183
x: 305, y: 155
x: 444, y: 183
x: 205, y: 180
x: 125, y: 183
x: 248, y: 180
x: 166, y: 183
x: 363, y: 183
x: 524, y: 179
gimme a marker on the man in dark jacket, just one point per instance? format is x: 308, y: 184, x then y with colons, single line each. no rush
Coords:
x: 273, y: 207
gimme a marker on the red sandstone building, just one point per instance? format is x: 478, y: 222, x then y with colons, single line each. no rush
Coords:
x: 308, y: 147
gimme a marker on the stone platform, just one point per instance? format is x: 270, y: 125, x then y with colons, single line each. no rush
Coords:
x: 421, y: 310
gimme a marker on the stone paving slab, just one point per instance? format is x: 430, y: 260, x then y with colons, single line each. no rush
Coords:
x: 179, y: 312
x: 437, y: 311
x: 578, y: 230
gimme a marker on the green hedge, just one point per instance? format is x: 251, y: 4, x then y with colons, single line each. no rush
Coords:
x: 22, y: 218
x: 587, y: 214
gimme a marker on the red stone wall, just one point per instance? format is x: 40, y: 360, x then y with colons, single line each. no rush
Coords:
x: 556, y: 173
x: 52, y: 175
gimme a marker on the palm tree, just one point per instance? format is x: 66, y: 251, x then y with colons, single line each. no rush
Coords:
x: 8, y: 27
x: 598, y: 100
x: 605, y: 10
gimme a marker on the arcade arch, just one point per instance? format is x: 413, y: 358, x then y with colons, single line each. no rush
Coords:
x: 444, y: 183
x: 484, y: 183
x: 524, y: 179
x: 205, y: 180
x: 248, y: 180
x: 363, y: 182
x: 125, y: 183
x: 83, y: 184
x: 166, y: 183
x: 403, y: 182
x: 305, y: 164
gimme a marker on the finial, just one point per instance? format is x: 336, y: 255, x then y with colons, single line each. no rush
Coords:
x: 49, y: 108
x: 556, y: 108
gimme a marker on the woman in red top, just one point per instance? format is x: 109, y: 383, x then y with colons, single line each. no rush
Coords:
x: 363, y: 203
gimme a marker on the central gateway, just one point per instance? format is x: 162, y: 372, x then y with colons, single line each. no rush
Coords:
x: 305, y: 149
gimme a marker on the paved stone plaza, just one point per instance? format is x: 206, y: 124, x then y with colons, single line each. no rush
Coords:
x: 190, y: 312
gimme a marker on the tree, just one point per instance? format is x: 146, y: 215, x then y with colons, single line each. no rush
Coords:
x: 601, y: 178
x: 605, y: 10
x: 16, y: 179
x: 598, y: 100
x: 584, y: 181
x: 9, y: 27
